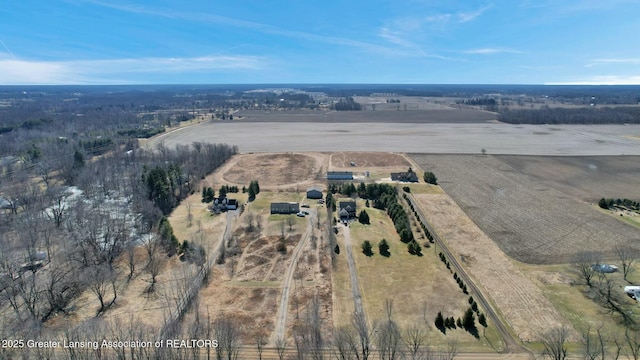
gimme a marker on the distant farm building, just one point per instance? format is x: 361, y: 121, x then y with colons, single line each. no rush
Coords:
x: 314, y: 192
x: 285, y: 208
x: 224, y: 204
x: 408, y: 176
x: 340, y: 175
x: 347, y: 210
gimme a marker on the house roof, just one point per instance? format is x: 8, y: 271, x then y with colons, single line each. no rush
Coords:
x: 348, y: 206
x: 404, y: 176
x: 316, y: 188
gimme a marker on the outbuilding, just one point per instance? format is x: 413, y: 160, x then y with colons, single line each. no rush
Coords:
x: 340, y: 175
x: 285, y: 208
x: 314, y: 192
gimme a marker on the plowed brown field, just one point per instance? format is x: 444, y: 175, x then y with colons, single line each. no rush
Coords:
x: 533, y: 221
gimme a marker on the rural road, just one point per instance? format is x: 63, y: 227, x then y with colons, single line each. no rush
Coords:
x: 247, y: 352
x: 281, y: 317
x: 355, y: 289
x: 511, y: 344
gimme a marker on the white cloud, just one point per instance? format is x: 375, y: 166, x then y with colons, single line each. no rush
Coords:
x: 488, y: 51
x: 596, y: 62
x: 603, y: 80
x: 460, y: 17
x: 16, y: 71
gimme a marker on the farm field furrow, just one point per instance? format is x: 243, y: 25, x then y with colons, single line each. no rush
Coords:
x: 395, y: 136
x: 528, y: 219
x: 522, y: 303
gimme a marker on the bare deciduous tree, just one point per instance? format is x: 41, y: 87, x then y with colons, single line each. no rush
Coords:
x: 364, y: 332
x: 632, y: 338
x: 261, y: 341
x: 101, y: 278
x: 250, y: 219
x: 346, y: 344
x: 555, y: 343
x: 414, y: 339
x: 281, y: 346
x: 228, y: 336
x: 584, y: 263
x: 627, y: 257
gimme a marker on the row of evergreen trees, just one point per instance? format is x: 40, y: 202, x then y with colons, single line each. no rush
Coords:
x: 609, y: 203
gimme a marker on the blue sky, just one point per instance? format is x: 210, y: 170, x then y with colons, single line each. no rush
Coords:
x: 258, y: 41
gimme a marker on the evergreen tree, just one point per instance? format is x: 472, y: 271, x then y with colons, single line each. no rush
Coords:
x: 482, y: 320
x: 366, y: 248
x: 439, y: 321
x: 383, y: 247
x: 78, y: 160
x: 469, y: 320
x: 430, y: 178
x: 603, y: 203
x: 414, y: 248
x: 363, y: 218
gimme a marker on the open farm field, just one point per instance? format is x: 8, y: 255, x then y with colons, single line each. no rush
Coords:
x: 500, y: 280
x: 530, y: 220
x: 586, y: 178
x: 435, y: 114
x: 390, y: 136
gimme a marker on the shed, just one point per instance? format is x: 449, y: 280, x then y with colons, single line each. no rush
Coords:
x: 314, y: 192
x: 340, y: 175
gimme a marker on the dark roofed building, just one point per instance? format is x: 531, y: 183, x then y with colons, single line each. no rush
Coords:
x: 314, y: 192
x: 340, y: 175
x: 224, y: 204
x: 409, y: 176
x: 347, y: 210
x: 285, y: 208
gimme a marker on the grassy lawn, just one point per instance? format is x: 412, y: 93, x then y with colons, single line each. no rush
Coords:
x: 423, y: 188
x: 412, y: 283
x: 569, y: 296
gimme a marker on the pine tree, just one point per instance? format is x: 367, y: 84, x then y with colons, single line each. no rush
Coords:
x: 482, y: 320
x: 469, y: 320
x: 366, y: 248
x: 439, y: 320
x: 383, y: 247
x: 603, y: 203
x: 363, y: 217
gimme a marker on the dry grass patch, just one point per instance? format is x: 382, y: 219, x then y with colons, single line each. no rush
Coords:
x: 493, y: 271
x: 274, y: 170
x: 368, y: 159
x: 411, y: 282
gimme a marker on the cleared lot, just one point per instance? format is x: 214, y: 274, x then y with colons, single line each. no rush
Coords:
x: 530, y: 220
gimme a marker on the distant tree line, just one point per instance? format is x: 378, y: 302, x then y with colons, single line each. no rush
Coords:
x: 586, y: 115
x: 347, y: 104
x: 489, y: 104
